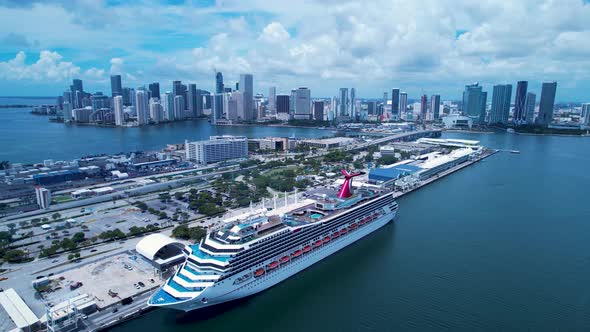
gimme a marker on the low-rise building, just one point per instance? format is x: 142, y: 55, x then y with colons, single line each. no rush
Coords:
x: 217, y: 148
x: 456, y: 121
x: 327, y: 143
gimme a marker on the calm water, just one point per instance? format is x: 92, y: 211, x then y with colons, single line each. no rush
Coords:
x: 31, y: 138
x: 501, y: 245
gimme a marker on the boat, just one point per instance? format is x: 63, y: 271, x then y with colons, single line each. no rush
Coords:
x: 228, y: 262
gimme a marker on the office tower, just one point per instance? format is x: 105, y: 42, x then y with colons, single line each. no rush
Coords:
x: 179, y: 107
x: 217, y: 148
x: 395, y: 103
x: 67, y: 111
x: 435, y: 107
x: 382, y: 108
x: 283, y: 104
x: 403, y: 103
x: 351, y: 103
x: 318, y: 110
x: 237, y: 86
x: 247, y: 88
x: 154, y: 89
x: 292, y: 102
x: 126, y: 100
x: 501, y: 96
x: 179, y: 89
x: 217, y: 108
x: 230, y: 104
x: 519, y: 100
x: 141, y: 107
x: 529, y: 108
x: 192, y: 100
x: 67, y: 96
x: 343, y: 102
x: 272, y: 95
x: 77, y: 85
x: 474, y: 101
x: 302, y: 104
x: 199, y: 99
x: 156, y: 114
x: 585, y: 114
x: 82, y: 115
x: 208, y: 100
x: 372, y: 108
x: 132, y: 98
x: 483, y: 104
x: 98, y: 101
x: 238, y: 98
x: 78, y: 99
x: 218, y: 82
x: 116, y: 87
x: 423, y: 107
x: 43, y: 196
x: 118, y: 108
x: 169, y: 106
x: 546, y: 103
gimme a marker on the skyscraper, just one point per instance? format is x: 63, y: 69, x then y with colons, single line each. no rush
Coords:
x: 382, y: 108
x: 217, y: 110
x: 116, y: 87
x: 218, y: 82
x: 179, y: 89
x: 169, y: 106
x: 77, y: 85
x: 318, y: 110
x: 372, y: 107
x: 343, y: 102
x: 192, y: 100
x: 501, y: 96
x: 247, y: 87
x: 272, y: 95
x: 474, y: 101
x: 179, y: 107
x: 154, y: 90
x: 519, y: 101
x: 585, y: 114
x: 395, y: 103
x: 283, y: 104
x: 126, y: 100
x: 67, y: 111
x: 546, y: 103
x: 141, y: 107
x: 118, y: 108
x: 156, y: 114
x: 529, y: 107
x: 302, y: 104
x: 98, y: 101
x: 352, y: 103
x: 483, y: 104
x: 403, y: 103
x: 435, y: 106
x: 423, y: 107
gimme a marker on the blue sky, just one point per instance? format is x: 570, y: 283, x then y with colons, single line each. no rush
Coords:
x: 430, y: 46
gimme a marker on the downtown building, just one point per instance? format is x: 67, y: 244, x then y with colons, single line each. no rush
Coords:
x: 474, y: 102
x: 501, y: 96
x: 546, y: 103
x: 518, y: 117
x: 216, y: 149
x: 302, y: 104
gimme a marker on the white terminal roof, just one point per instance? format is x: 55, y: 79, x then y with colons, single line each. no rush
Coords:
x: 437, y: 160
x: 149, y: 246
x: 17, y: 309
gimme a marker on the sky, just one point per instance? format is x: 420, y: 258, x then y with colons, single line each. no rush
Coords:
x: 421, y: 47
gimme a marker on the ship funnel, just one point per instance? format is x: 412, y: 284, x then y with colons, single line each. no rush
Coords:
x: 346, y: 188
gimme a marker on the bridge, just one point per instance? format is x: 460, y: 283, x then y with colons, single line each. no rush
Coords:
x: 405, y: 136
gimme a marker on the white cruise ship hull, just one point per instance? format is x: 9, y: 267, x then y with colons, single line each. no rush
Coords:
x: 226, y: 290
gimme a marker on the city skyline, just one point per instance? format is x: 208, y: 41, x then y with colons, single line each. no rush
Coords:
x: 273, y: 44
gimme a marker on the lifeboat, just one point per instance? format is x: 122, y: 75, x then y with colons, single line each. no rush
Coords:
x: 375, y: 215
x: 317, y: 243
x: 326, y: 239
x: 259, y: 272
x: 353, y: 225
x: 285, y: 259
x: 297, y: 253
x: 273, y: 265
x: 306, y: 248
x: 362, y: 222
x: 335, y: 234
x: 367, y: 219
x: 343, y: 231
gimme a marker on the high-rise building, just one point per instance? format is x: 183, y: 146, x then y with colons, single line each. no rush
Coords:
x: 179, y: 89
x: 474, y: 100
x: 395, y: 103
x: 118, y: 107
x: 423, y: 107
x: 318, y: 110
x: 519, y: 102
x: 343, y: 102
x: 232, y: 102
x: 217, y: 148
x: 125, y: 94
x: 132, y: 98
x: 546, y: 103
x: 501, y: 96
x: 169, y: 106
x: 217, y: 108
x: 435, y: 107
x: 585, y: 114
x: 141, y: 107
x: 67, y: 95
x: 67, y: 111
x: 272, y: 95
x: 372, y: 107
x: 484, y: 104
x: 192, y: 100
x: 156, y: 112
x: 98, y: 101
x: 352, y: 102
x: 78, y: 103
x: 529, y: 108
x: 302, y: 104
x: 154, y: 89
x: 179, y: 107
x: 77, y: 85
x: 403, y: 103
x: 283, y: 104
x: 116, y: 87
x: 218, y: 82
x: 247, y: 88
x: 43, y: 196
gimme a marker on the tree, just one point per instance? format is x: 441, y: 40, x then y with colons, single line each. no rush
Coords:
x: 15, y: 256
x: 55, y: 216
x: 387, y: 160
x: 79, y: 237
x: 179, y: 195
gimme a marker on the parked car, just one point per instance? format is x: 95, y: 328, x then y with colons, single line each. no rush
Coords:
x: 93, y: 250
x: 136, y: 286
x: 141, y: 284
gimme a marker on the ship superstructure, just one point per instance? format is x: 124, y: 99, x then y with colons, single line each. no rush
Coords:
x: 253, y: 252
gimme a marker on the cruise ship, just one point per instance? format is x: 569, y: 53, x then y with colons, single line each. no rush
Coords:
x: 253, y: 252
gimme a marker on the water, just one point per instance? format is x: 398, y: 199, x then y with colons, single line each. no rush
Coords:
x: 28, y: 138
x: 501, y: 245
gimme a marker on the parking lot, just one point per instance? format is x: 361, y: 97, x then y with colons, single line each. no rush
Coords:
x: 109, y: 280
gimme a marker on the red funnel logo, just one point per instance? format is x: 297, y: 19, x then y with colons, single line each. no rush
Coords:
x: 346, y: 189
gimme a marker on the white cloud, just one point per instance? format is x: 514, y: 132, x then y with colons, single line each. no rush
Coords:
x: 49, y: 67
x: 116, y: 66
